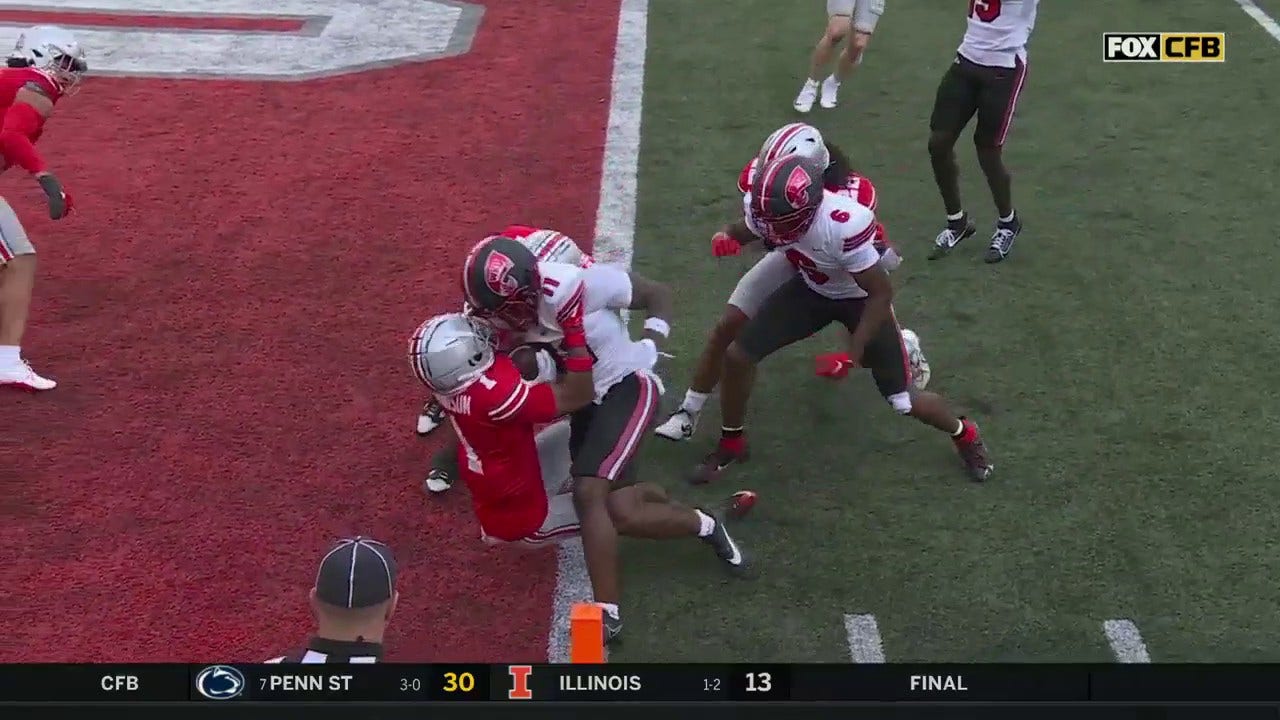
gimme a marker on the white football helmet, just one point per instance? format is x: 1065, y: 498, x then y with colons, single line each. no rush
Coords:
x: 53, y: 51
x: 552, y: 246
x: 449, y: 352
x: 795, y: 139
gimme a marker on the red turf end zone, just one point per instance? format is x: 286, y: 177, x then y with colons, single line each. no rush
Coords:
x: 227, y: 314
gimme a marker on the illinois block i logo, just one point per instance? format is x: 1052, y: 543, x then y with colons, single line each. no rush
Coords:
x: 1164, y: 47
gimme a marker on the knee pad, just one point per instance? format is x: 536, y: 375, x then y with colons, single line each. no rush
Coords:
x: 901, y: 402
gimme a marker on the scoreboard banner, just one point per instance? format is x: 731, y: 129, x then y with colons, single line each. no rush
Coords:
x: 511, y: 684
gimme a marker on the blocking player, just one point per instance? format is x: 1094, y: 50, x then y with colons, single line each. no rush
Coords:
x: 547, y: 246
x: 828, y: 237
x: 504, y: 283
x: 772, y: 270
x: 985, y: 79
x: 855, y: 19
x: 46, y: 64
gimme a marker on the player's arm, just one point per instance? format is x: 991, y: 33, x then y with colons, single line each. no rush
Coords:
x: 609, y: 287
x: 544, y: 402
x: 860, y: 258
x: 23, y: 123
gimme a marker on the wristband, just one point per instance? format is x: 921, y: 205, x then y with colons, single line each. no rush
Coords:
x: 658, y: 325
x: 572, y: 340
x: 577, y: 364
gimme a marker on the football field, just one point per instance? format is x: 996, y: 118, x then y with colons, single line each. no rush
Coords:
x: 227, y: 312
x: 1117, y: 362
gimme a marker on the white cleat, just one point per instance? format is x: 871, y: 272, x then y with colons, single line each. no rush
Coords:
x: 680, y: 426
x: 808, y: 94
x: 430, y: 418
x: 830, y: 91
x: 22, y: 377
x: 920, y: 371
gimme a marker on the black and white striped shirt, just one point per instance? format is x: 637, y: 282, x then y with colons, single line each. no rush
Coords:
x: 320, y: 650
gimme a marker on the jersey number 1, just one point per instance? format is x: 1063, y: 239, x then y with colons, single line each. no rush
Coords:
x: 985, y: 10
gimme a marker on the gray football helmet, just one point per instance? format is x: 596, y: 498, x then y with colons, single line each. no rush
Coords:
x: 449, y: 352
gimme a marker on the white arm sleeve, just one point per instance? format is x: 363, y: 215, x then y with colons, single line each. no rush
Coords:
x: 608, y: 287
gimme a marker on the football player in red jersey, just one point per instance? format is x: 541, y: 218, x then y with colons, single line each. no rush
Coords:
x: 541, y: 302
x: 547, y: 246
x: 772, y: 270
x: 828, y: 237
x: 46, y: 65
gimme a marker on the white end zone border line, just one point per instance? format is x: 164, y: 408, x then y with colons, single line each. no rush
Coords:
x: 1126, y: 642
x: 1267, y: 22
x: 615, y: 238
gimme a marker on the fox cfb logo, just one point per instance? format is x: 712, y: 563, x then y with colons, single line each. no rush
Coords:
x: 220, y: 682
x: 1164, y: 47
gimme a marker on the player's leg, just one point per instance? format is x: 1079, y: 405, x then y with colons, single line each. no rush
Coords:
x: 866, y: 14
x: 889, y: 359
x: 998, y: 102
x: 954, y: 105
x: 17, y: 283
x: 839, y: 14
x: 758, y: 283
x: 793, y: 312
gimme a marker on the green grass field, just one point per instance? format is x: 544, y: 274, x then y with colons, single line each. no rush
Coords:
x: 1122, y: 363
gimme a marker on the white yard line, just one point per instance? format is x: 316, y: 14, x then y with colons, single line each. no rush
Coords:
x: 1259, y: 15
x: 614, y: 240
x: 865, y: 646
x: 1126, y: 642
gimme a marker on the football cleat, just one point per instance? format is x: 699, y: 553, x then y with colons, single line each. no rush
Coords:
x: 437, y: 481
x: 808, y: 94
x: 920, y: 371
x: 830, y: 93
x: 726, y: 548
x: 973, y: 451
x: 951, y: 235
x: 1002, y: 240
x: 22, y: 377
x: 740, y: 503
x: 679, y: 426
x: 717, y: 461
x: 430, y: 418
x: 612, y: 627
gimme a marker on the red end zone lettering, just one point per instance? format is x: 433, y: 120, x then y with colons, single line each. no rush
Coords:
x: 248, y: 39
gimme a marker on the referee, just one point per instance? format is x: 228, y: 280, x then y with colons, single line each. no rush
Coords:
x: 354, y: 597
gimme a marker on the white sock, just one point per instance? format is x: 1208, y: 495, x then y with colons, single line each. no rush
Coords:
x: 832, y: 79
x: 609, y: 608
x: 693, y: 402
x: 811, y: 83
x: 708, y: 524
x: 957, y: 216
x: 1008, y: 219
x: 10, y: 355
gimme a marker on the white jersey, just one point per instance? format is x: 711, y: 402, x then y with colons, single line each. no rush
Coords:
x: 998, y: 31
x: 839, y: 243
x: 603, y: 290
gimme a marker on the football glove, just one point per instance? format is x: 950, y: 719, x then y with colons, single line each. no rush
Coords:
x: 60, y: 203
x: 722, y: 245
x: 834, y: 366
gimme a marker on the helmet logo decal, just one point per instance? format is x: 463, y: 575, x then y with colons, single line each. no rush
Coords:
x: 796, y: 191
x: 497, y: 275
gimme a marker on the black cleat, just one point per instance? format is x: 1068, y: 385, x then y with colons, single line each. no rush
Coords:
x: 716, y: 462
x: 952, y: 235
x: 612, y: 628
x: 430, y: 418
x: 727, y: 548
x: 1002, y: 240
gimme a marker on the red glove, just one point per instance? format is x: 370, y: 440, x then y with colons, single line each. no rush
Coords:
x: 571, y: 323
x: 834, y: 365
x: 724, y: 246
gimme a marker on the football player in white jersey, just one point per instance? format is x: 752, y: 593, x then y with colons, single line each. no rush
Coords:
x: 504, y: 284
x: 828, y: 237
x: 773, y: 269
x: 854, y: 19
x: 985, y: 79
x: 547, y: 246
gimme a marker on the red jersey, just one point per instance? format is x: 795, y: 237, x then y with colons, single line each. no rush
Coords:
x: 18, y: 137
x: 495, y: 419
x: 857, y: 187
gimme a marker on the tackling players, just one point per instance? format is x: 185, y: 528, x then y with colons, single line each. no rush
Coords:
x: 985, y: 79
x: 542, y: 302
x: 828, y: 237
x: 45, y: 65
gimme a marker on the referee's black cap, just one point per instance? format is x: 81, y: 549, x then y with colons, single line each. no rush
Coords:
x: 357, y: 573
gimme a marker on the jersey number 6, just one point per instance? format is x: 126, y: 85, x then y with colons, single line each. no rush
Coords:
x: 806, y: 265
